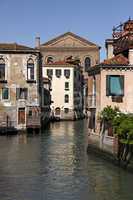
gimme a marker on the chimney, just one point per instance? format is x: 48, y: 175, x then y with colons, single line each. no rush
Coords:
x: 109, y: 48
x: 130, y: 56
x: 37, y: 42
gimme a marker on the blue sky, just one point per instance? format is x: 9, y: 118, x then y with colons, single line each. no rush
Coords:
x: 23, y: 20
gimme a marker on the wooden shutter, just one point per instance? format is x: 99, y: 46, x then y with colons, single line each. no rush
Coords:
x: 122, y: 83
x: 107, y: 85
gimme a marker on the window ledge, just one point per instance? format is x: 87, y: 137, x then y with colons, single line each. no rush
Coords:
x: 31, y: 81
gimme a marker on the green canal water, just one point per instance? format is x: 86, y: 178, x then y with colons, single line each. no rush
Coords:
x: 54, y: 165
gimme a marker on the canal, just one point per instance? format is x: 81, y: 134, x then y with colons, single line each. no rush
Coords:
x: 54, y: 166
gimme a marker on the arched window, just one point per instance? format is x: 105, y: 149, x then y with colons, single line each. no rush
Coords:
x: 2, y: 69
x: 49, y: 60
x: 87, y: 63
x: 66, y: 98
x: 57, y: 111
x: 30, y: 69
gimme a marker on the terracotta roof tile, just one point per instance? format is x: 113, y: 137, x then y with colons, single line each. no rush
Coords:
x: 116, y: 60
x: 60, y: 62
x: 13, y: 47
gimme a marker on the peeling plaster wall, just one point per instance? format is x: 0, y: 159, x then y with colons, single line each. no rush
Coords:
x: 16, y: 76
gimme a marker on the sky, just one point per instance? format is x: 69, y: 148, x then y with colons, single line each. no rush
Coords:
x: 23, y: 20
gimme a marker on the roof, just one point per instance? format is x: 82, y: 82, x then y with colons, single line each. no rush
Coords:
x: 60, y: 62
x: 64, y: 64
x: 73, y: 35
x: 118, y: 60
x: 14, y: 47
x: 69, y: 61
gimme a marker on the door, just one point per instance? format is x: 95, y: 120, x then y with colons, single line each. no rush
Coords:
x: 21, y: 116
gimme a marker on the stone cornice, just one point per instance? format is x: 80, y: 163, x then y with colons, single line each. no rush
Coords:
x: 72, y: 49
x: 96, y: 69
x: 60, y: 66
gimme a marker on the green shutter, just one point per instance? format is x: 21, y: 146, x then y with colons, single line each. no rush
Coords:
x: 5, y: 94
x: 107, y: 85
x: 122, y: 84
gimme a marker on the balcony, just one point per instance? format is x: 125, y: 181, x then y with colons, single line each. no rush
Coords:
x: 92, y: 101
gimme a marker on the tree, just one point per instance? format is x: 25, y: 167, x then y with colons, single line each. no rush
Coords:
x: 123, y: 128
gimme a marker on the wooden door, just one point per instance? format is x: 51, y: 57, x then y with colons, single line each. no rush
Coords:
x: 21, y: 116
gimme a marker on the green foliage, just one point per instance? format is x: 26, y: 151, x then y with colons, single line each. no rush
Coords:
x: 122, y: 123
x: 108, y: 113
x: 123, y: 126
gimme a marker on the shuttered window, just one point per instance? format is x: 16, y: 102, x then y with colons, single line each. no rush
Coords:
x: 5, y: 93
x: 58, y: 73
x: 114, y: 85
x: 21, y: 93
x: 30, y: 69
x: 49, y: 72
x: 67, y: 73
x: 66, y: 85
x: 2, y: 69
x: 66, y: 98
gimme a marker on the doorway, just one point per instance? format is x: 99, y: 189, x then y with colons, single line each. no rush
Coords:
x: 21, y: 116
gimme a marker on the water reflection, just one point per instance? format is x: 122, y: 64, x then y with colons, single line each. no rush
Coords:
x: 54, y: 166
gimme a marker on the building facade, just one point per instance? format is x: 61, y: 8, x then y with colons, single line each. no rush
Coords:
x: 67, y: 46
x: 46, y: 101
x: 110, y: 82
x: 20, y: 87
x: 66, y: 90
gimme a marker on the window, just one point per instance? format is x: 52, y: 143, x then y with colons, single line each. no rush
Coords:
x: 57, y: 111
x: 66, y: 85
x: 87, y: 63
x: 67, y: 73
x: 30, y: 113
x: 114, y: 85
x: 21, y: 93
x: 75, y: 74
x: 5, y: 93
x: 49, y: 72
x: 30, y: 69
x: 66, y: 98
x: 66, y: 110
x: 58, y: 73
x: 49, y: 60
x: 2, y: 69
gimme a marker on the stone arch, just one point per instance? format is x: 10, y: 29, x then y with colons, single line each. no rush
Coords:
x: 49, y: 59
